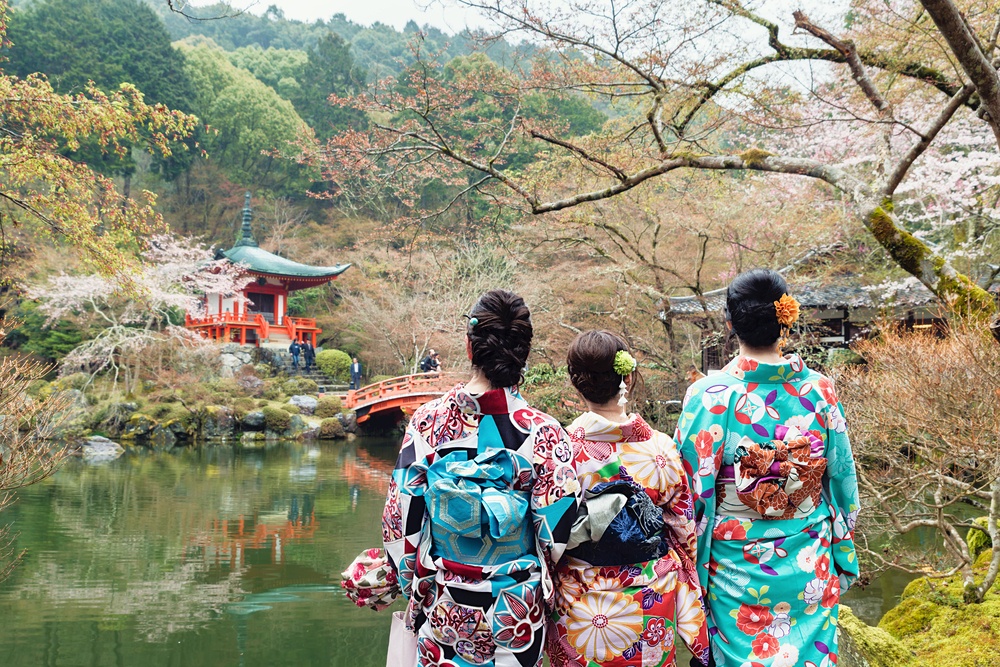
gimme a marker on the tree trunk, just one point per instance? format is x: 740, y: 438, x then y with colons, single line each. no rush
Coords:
x: 970, y: 56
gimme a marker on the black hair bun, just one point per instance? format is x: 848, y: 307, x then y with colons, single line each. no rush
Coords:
x: 750, y: 307
x: 501, y: 337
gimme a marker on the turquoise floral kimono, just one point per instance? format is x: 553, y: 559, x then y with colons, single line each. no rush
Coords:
x: 776, y: 499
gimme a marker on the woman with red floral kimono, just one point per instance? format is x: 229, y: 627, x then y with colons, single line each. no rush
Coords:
x: 627, y: 587
x: 776, y: 495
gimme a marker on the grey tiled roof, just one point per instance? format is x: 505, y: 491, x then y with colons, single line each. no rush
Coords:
x: 814, y: 295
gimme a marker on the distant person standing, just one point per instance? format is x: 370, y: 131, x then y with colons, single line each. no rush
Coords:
x: 308, y: 355
x: 295, y: 350
x: 431, y: 363
x: 355, y: 373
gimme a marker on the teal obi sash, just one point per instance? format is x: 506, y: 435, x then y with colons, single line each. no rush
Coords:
x: 476, y: 517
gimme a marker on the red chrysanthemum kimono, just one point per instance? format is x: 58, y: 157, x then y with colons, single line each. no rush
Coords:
x: 776, y: 498
x: 627, y: 587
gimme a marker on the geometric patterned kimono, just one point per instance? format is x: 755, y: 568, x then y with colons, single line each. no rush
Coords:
x: 776, y: 500
x: 628, y: 588
x: 479, y: 509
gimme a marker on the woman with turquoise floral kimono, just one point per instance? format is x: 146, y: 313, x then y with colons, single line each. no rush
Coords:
x: 480, y: 506
x: 776, y: 498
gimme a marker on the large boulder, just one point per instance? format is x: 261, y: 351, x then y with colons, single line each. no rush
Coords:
x: 253, y: 421
x: 349, y: 420
x: 217, y: 423
x: 233, y: 357
x: 305, y: 404
x: 138, y: 427
x: 862, y: 645
x: 161, y: 437
x: 98, y: 448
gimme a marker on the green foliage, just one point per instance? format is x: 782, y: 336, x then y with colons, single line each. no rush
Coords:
x: 108, y: 42
x: 305, y: 302
x: 335, y: 364
x: 282, y: 69
x: 249, y: 120
x: 32, y: 334
x: 276, y: 419
x: 544, y: 374
x: 331, y: 428
x: 297, y: 385
x: 330, y: 70
x: 328, y: 406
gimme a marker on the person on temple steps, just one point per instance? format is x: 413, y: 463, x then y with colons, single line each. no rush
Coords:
x: 295, y: 350
x: 308, y: 355
x: 355, y: 373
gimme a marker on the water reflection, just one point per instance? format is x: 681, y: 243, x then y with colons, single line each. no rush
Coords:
x: 210, y: 557
x: 198, y: 557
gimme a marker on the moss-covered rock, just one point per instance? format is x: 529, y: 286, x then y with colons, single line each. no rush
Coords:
x: 979, y: 540
x: 276, y: 420
x: 138, y: 426
x: 217, y: 423
x: 862, y: 645
x: 932, y: 621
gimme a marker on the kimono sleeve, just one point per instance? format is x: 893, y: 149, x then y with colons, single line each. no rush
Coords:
x: 555, y: 498
x: 405, y: 516
x: 841, y: 485
x: 699, y: 438
x: 678, y: 515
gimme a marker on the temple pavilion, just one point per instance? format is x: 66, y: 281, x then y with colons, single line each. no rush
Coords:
x: 259, y: 316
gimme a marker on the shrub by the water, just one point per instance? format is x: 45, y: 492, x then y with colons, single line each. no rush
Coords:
x: 276, y: 419
x: 331, y: 428
x: 335, y: 364
x: 328, y: 406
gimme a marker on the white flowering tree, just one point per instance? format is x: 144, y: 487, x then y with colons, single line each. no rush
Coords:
x: 173, y: 276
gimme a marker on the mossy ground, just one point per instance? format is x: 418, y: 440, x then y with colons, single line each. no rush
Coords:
x: 933, y: 623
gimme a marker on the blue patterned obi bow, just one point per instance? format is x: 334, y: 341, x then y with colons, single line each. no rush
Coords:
x: 474, y: 499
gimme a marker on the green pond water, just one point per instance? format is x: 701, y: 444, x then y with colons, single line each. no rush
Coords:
x: 210, y: 557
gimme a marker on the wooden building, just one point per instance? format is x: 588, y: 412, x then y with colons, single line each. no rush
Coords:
x: 833, y: 315
x: 260, y: 314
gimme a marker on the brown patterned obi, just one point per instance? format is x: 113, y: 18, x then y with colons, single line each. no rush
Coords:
x: 776, y: 479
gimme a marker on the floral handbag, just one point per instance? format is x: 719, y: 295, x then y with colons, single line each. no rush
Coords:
x: 370, y: 581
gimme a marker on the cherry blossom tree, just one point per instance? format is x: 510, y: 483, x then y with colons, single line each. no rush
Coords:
x: 716, y: 85
x: 173, y: 277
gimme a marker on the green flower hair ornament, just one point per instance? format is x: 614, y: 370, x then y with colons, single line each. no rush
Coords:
x: 624, y: 363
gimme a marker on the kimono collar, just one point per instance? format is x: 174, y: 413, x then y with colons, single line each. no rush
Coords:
x: 791, y: 369
x: 592, y: 426
x: 492, y: 402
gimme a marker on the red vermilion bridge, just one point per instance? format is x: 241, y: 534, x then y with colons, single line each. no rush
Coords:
x: 397, y: 395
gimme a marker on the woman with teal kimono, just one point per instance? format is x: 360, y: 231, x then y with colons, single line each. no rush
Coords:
x: 776, y: 499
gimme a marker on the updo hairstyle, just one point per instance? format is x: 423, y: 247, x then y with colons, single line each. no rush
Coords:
x: 501, y: 339
x: 750, y: 307
x: 590, y: 362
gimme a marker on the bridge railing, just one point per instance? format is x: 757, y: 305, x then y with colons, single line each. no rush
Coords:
x: 421, y: 383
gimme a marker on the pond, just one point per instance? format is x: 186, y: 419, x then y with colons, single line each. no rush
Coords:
x: 210, y: 557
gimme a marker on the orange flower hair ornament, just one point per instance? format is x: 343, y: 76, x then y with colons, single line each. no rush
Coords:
x: 787, y: 309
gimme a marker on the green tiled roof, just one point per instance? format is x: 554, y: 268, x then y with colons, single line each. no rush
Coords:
x: 262, y: 261
x: 257, y: 260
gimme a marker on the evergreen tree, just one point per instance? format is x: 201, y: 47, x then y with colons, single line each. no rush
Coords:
x: 330, y: 70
